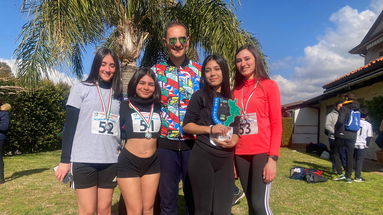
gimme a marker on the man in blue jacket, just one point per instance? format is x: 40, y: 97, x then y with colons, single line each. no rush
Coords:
x: 4, y: 125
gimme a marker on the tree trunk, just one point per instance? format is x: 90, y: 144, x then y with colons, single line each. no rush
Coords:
x: 127, y: 72
x: 130, y: 41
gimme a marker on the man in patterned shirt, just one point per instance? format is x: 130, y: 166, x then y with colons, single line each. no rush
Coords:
x: 178, y: 78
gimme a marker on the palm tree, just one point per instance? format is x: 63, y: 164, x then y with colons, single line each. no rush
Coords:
x: 57, y: 32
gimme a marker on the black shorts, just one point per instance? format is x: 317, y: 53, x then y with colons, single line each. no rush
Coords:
x: 131, y: 166
x: 86, y: 175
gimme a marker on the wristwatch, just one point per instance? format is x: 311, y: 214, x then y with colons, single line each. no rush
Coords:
x: 274, y: 157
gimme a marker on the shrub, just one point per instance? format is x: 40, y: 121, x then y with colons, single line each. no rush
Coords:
x: 287, y: 126
x: 375, y: 111
x: 37, y: 118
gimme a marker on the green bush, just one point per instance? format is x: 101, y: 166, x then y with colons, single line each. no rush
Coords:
x: 287, y: 126
x: 375, y: 111
x: 37, y: 117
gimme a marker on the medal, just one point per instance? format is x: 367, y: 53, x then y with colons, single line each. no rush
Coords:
x: 106, y: 109
x: 227, y: 117
x: 244, y: 108
x: 148, y: 135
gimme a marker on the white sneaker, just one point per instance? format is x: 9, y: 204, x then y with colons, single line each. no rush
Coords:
x: 359, y: 180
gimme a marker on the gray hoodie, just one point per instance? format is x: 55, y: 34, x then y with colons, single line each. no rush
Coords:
x: 331, y: 120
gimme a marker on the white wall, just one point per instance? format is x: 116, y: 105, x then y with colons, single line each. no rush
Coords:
x: 305, y: 126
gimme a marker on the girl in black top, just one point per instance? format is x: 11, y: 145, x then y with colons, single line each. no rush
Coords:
x: 211, y: 160
x: 138, y: 171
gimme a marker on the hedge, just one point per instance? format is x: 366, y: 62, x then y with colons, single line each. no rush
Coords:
x: 375, y: 111
x: 287, y: 126
x: 37, y: 118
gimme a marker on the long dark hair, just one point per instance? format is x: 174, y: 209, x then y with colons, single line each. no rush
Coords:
x: 225, y: 85
x: 141, y: 72
x: 94, y: 71
x: 261, y: 72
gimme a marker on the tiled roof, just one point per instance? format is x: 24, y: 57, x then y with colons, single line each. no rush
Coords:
x: 289, y: 105
x: 364, y: 69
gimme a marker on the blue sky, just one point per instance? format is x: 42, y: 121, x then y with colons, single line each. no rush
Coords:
x: 306, y: 41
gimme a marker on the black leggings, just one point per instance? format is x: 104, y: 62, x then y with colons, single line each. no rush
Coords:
x: 211, y: 179
x: 250, y: 172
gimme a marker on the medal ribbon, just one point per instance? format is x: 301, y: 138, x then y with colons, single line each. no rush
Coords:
x: 244, y: 108
x: 142, y: 116
x: 107, y: 108
x: 215, y: 111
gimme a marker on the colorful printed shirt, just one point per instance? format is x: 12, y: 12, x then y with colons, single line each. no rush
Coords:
x: 177, y: 86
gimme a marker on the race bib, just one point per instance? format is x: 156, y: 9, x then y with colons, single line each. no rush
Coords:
x: 248, y: 124
x: 139, y: 125
x: 103, y: 126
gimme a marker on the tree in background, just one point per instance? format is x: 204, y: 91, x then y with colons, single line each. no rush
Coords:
x: 57, y: 32
x: 8, y: 82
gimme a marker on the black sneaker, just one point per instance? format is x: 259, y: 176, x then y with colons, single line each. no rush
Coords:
x: 348, y: 180
x: 238, y: 196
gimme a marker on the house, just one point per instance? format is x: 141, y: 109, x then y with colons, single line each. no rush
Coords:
x: 365, y: 82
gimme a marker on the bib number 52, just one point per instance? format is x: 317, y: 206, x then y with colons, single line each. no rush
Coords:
x: 105, y: 127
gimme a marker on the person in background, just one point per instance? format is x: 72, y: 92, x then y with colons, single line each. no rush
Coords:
x: 178, y: 78
x: 138, y: 172
x: 238, y: 194
x: 4, y: 126
x: 363, y: 138
x: 257, y: 150
x: 331, y: 119
x: 381, y: 126
x: 345, y: 138
x: 211, y: 160
x: 91, y: 140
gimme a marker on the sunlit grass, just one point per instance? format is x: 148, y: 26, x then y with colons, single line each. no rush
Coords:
x: 31, y: 188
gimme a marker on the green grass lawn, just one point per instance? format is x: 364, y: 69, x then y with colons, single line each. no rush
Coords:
x: 31, y: 188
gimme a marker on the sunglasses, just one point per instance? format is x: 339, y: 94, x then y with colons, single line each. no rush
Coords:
x: 173, y: 40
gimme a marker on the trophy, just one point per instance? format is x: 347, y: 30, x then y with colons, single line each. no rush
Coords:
x: 224, y: 112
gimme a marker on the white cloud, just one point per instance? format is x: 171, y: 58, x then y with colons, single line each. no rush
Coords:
x: 285, y: 63
x: 376, y: 6
x: 329, y: 58
x: 54, y: 75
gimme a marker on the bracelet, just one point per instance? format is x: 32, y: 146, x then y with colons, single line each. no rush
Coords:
x: 211, y: 129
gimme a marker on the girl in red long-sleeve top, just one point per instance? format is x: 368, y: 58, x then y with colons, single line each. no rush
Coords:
x: 257, y: 150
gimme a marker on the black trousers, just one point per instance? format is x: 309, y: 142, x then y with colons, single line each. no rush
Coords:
x: 250, y: 172
x: 173, y: 169
x: 349, y: 145
x: 211, y: 179
x: 359, y: 155
x: 1, y: 161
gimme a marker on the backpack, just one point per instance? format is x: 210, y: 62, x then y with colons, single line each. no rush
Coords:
x: 353, y: 122
x: 310, y: 175
x: 297, y: 173
x: 314, y: 176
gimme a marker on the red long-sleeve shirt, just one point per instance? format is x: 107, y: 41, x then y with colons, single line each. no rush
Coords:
x: 265, y: 102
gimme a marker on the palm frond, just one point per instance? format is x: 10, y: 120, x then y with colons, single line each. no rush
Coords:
x: 55, y: 33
